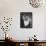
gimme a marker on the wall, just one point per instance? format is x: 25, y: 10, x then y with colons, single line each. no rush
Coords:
x: 12, y: 8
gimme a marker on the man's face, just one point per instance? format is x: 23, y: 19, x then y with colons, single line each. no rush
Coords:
x: 25, y: 18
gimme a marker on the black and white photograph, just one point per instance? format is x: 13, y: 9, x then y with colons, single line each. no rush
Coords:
x: 26, y: 19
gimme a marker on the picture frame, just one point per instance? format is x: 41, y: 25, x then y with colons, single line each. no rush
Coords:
x: 25, y: 19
